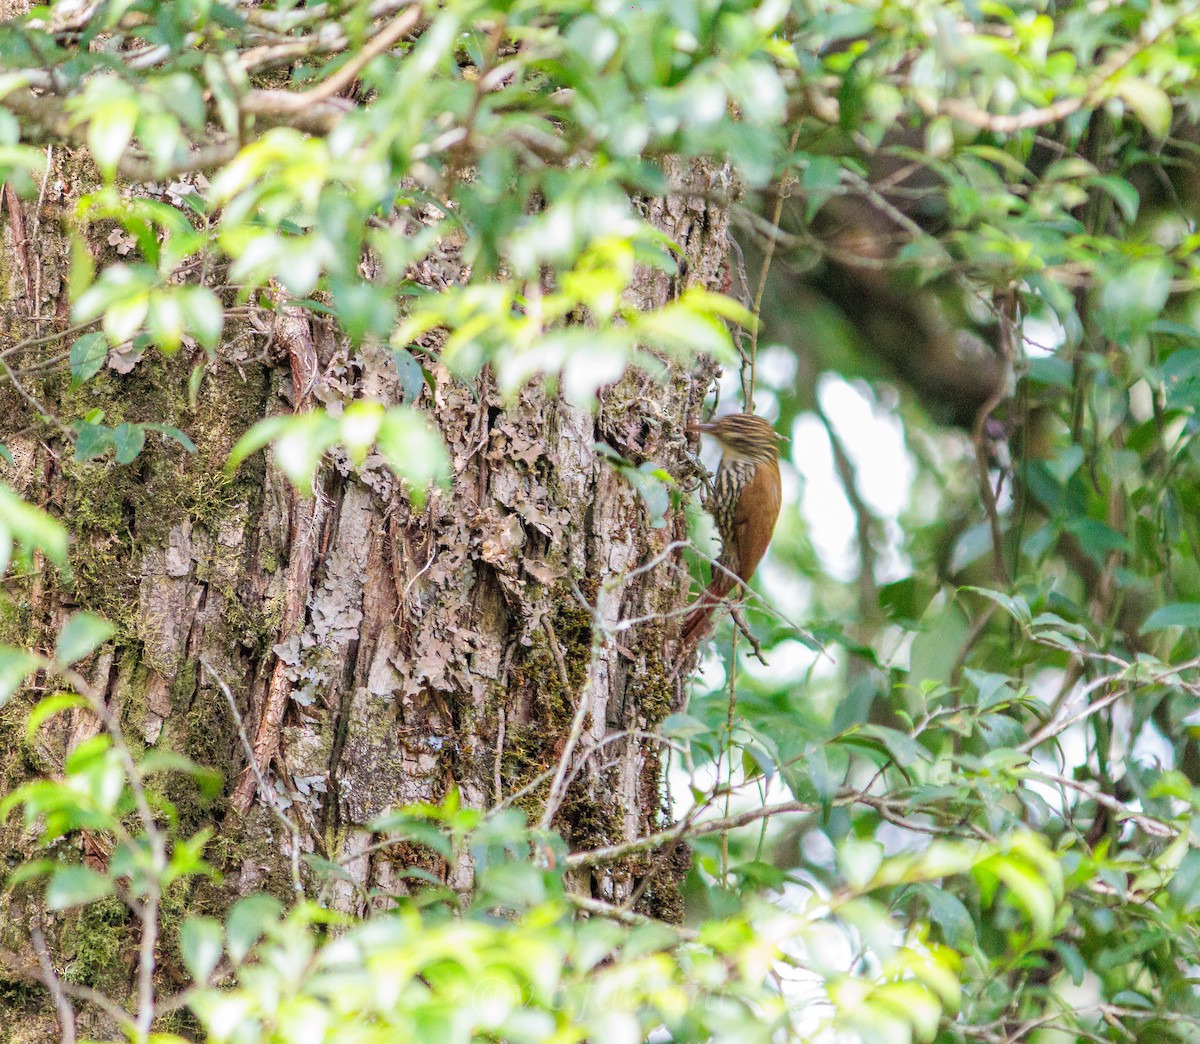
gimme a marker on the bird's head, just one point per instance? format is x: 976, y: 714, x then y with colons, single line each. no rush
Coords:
x: 743, y: 435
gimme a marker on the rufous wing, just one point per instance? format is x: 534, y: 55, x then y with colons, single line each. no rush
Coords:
x: 755, y: 516
x: 753, y: 523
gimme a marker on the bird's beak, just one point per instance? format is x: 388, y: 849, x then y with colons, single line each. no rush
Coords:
x: 699, y: 428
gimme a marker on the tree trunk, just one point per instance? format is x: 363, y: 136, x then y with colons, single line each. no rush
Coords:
x: 410, y: 649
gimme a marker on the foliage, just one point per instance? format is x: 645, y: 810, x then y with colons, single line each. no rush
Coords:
x: 961, y: 807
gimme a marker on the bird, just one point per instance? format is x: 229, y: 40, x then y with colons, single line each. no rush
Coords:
x: 744, y: 503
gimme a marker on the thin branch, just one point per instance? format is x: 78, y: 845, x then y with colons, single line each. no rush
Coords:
x: 1094, y: 91
x: 497, y: 777
x: 1057, y: 726
x: 978, y: 437
x: 543, y: 777
x: 147, y: 912
x: 735, y: 614
x: 12, y: 964
x: 62, y: 1004
x: 768, y: 254
x: 557, y: 655
x: 287, y: 21
x: 627, y: 917
x: 686, y: 828
x: 275, y: 102
x: 864, y: 521
x: 557, y: 790
x: 266, y: 794
x: 42, y: 412
x: 1149, y: 824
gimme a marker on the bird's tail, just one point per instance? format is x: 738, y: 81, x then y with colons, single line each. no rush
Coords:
x: 696, y: 624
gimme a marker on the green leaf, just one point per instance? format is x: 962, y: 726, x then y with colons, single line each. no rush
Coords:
x: 904, y: 750
x: 33, y: 527
x: 164, y: 322
x: 1150, y: 104
x: 110, y: 130
x: 1028, y: 888
x: 200, y: 942
x: 1015, y: 606
x: 1122, y: 192
x: 76, y: 886
x: 15, y: 666
x: 336, y: 872
x: 247, y: 921
x: 1066, y: 463
x: 935, y: 648
x: 364, y: 309
x: 123, y: 317
x: 87, y: 356
x: 128, y: 440
x: 1049, y: 369
x: 91, y: 440
x: 359, y: 427
x: 413, y: 450
x: 648, y: 480
x: 859, y: 860
x: 194, y: 380
x: 1132, y: 297
x: 1072, y: 960
x: 683, y: 726
x: 50, y: 706
x: 1097, y: 539
x: 80, y: 636
x: 821, y: 178
x: 412, y: 376
x: 204, y: 318
x: 852, y: 97
x: 256, y: 438
x: 173, y: 433
x: 1176, y: 614
x: 29, y: 871
x: 159, y: 759
x: 1133, y: 999
x: 947, y: 911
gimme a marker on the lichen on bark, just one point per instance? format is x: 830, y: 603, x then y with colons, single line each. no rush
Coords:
x: 445, y: 645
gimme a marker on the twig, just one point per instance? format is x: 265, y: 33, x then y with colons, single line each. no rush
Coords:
x: 20, y: 242
x: 865, y: 521
x: 15, y: 966
x: 62, y: 1004
x: 735, y: 613
x: 557, y: 655
x: 768, y: 254
x: 542, y: 777
x: 497, y: 778
x: 265, y: 793
x: 557, y: 791
x: 1153, y: 827
x: 294, y: 330
x: 43, y: 413
x: 968, y: 642
x: 1061, y: 109
x: 627, y: 917
x: 147, y: 912
x: 36, y: 304
x: 999, y: 569
x: 727, y: 750
x: 148, y: 915
x: 686, y: 828
x: 272, y: 102
x: 1055, y: 727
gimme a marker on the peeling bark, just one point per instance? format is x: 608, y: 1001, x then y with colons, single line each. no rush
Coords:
x: 381, y: 652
